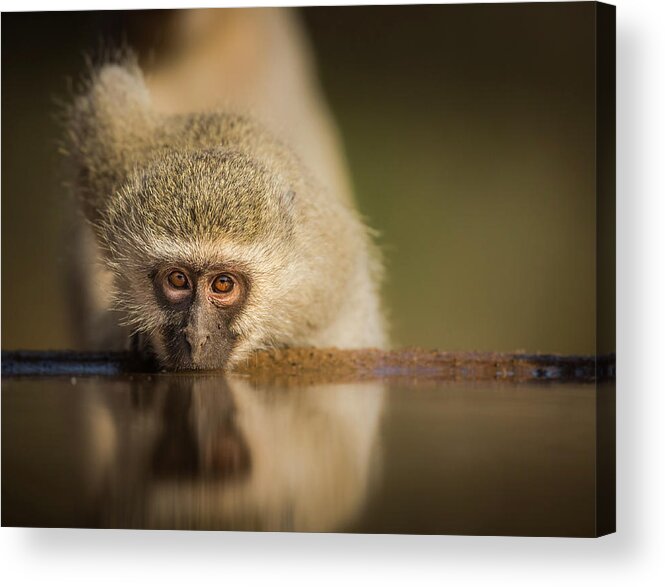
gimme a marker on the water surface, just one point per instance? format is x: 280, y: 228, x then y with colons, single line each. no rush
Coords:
x: 207, y: 452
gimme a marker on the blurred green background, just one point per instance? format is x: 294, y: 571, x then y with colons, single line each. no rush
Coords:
x: 469, y: 130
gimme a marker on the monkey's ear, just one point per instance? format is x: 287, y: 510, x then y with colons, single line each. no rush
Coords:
x: 108, y: 128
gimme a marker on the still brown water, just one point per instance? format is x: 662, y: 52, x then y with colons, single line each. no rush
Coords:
x: 205, y: 452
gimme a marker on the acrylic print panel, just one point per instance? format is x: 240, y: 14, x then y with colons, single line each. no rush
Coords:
x: 344, y: 269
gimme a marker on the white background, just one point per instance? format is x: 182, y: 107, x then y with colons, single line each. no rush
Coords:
x: 633, y: 555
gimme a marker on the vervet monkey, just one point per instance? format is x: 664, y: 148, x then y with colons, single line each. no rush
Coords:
x: 207, y: 452
x: 219, y: 214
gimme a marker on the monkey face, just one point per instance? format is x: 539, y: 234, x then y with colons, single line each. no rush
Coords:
x: 202, y: 248
x: 214, y: 256
x: 200, y: 306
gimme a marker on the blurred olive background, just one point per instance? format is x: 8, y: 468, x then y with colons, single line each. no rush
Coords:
x: 469, y: 130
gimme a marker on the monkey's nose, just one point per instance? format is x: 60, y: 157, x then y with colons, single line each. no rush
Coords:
x: 196, y: 341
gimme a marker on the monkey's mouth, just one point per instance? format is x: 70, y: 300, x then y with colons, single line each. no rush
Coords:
x: 183, y: 356
x: 185, y: 362
x: 185, y: 366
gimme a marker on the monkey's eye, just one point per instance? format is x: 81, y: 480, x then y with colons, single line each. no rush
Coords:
x: 178, y: 280
x: 223, y: 284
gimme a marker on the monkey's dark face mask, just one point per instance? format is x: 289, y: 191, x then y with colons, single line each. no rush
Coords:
x: 200, y: 307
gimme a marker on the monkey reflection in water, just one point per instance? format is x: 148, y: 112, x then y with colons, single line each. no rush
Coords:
x: 205, y: 452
